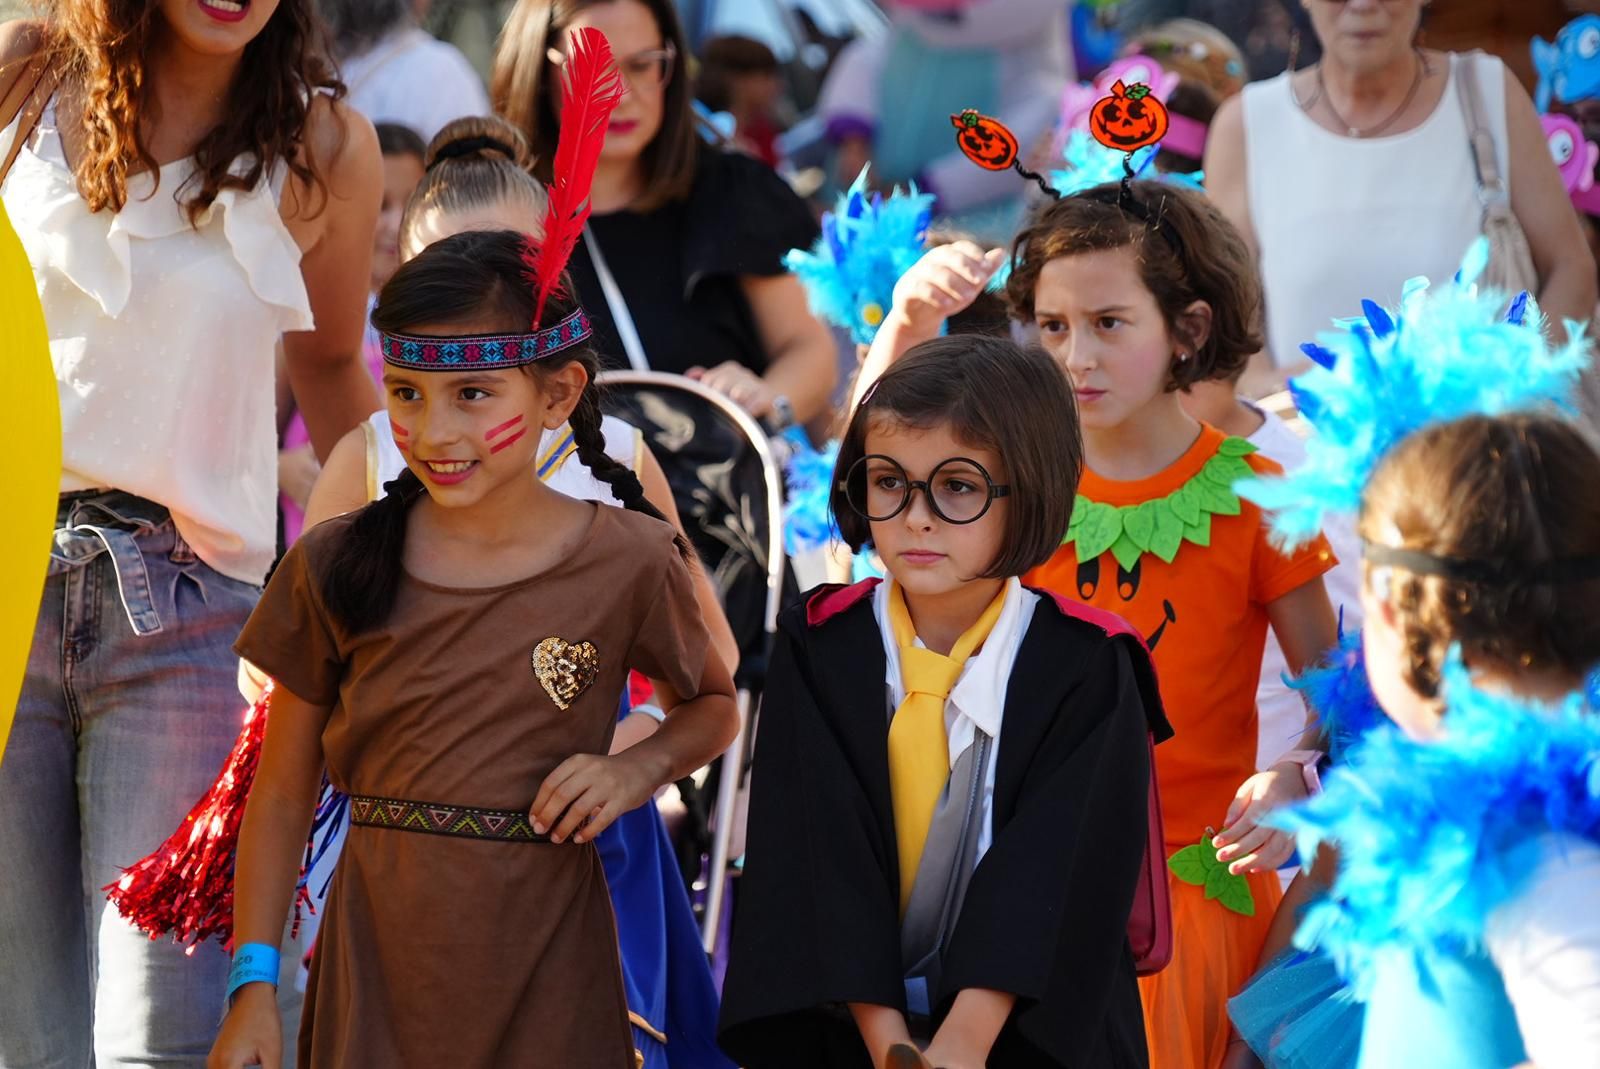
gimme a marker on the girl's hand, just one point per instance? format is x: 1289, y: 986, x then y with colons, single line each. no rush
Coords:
x: 1243, y: 844
x: 744, y: 387
x: 251, y: 1033
x: 586, y: 792
x: 945, y: 281
x: 297, y: 473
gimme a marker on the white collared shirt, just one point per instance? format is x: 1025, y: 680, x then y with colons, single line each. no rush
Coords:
x: 978, y: 700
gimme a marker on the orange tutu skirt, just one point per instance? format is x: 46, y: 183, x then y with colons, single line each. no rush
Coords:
x: 1214, y: 953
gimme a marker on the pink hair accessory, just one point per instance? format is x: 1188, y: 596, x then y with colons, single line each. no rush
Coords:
x: 1186, y: 136
x: 1079, y: 97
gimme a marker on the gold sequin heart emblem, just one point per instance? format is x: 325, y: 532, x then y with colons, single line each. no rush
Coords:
x: 564, y: 670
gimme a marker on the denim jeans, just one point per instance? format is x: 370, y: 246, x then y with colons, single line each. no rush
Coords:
x: 128, y: 709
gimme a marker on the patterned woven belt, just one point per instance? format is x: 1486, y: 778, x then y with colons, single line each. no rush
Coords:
x: 505, y: 825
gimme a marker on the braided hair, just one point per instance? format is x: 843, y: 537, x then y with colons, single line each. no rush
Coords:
x: 475, y: 276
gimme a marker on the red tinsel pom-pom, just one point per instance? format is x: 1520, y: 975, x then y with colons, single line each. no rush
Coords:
x: 184, y: 888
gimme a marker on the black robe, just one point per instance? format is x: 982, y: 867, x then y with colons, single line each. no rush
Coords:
x: 816, y: 923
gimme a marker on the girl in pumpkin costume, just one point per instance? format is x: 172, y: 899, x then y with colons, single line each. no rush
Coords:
x: 1139, y: 291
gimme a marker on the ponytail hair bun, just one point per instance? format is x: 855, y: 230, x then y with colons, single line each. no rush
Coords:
x: 476, y: 164
x: 478, y: 139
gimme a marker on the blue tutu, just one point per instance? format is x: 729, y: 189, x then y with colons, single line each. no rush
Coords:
x: 1297, y: 1014
x: 664, y: 970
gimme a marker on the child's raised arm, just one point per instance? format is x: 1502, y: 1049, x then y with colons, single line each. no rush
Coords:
x: 277, y: 819
x: 945, y: 281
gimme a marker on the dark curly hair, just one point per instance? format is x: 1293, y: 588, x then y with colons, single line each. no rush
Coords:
x: 1186, y: 251
x: 102, y: 45
x: 1503, y: 491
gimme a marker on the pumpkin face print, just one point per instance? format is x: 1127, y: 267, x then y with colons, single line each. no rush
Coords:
x: 985, y: 141
x: 1129, y: 119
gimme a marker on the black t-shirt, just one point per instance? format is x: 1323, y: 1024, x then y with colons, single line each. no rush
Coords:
x: 678, y: 266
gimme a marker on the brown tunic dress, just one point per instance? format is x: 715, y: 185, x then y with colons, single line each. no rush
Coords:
x: 445, y: 951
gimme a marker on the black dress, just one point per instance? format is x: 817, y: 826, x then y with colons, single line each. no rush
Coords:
x: 678, y: 266
x: 1046, y: 913
x: 679, y: 270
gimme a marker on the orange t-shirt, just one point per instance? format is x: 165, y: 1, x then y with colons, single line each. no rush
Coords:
x: 1204, y: 616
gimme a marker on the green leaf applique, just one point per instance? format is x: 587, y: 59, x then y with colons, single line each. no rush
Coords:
x: 1127, y: 551
x: 1168, y: 534
x: 1162, y: 525
x: 1101, y: 527
x: 1198, y: 865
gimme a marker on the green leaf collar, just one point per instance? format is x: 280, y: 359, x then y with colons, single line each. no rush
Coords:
x: 1160, y: 526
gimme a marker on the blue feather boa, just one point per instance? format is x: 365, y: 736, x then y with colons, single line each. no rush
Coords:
x: 1434, y: 836
x: 868, y: 241
x: 1339, y: 693
x: 1446, y: 352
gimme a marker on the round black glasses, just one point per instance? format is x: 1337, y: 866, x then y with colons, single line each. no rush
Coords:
x: 958, y: 490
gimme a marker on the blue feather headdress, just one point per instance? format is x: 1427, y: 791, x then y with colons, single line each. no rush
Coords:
x: 808, y: 476
x: 1446, y: 352
x: 1090, y: 164
x: 868, y: 241
x: 1436, y: 835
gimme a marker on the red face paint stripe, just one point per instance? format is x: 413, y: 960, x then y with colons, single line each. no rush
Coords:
x: 492, y: 431
x: 509, y: 441
x: 398, y: 430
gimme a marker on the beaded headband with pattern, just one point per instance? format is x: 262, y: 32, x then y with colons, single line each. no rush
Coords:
x: 591, y: 86
x: 460, y: 353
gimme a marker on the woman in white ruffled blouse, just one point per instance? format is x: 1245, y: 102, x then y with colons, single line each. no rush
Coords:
x: 188, y: 192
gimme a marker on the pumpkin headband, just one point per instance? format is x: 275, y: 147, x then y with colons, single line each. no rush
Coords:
x: 990, y: 144
x: 1127, y: 120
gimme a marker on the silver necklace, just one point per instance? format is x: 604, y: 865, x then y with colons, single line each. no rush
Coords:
x: 1321, y: 95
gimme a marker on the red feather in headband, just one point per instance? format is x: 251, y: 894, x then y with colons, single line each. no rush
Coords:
x: 591, y: 86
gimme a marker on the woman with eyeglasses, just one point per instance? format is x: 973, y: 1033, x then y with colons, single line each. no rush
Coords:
x: 1357, y: 173
x: 681, y: 264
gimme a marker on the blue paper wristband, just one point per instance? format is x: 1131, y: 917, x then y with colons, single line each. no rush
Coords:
x: 253, y: 963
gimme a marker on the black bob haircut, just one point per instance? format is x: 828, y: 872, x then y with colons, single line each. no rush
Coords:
x: 993, y: 394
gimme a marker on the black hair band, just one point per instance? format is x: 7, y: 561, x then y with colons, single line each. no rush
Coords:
x: 466, y: 146
x: 1489, y: 573
x: 1122, y: 197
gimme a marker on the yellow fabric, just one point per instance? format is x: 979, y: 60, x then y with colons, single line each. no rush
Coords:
x: 919, y: 750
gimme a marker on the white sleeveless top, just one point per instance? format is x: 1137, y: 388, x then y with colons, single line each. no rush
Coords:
x: 556, y: 460
x: 1339, y: 219
x: 163, y: 338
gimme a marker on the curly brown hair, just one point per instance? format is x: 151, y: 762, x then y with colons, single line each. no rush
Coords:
x: 1508, y: 491
x: 101, y: 46
x: 1187, y: 251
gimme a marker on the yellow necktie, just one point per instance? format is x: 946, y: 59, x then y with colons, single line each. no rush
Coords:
x: 919, y: 750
